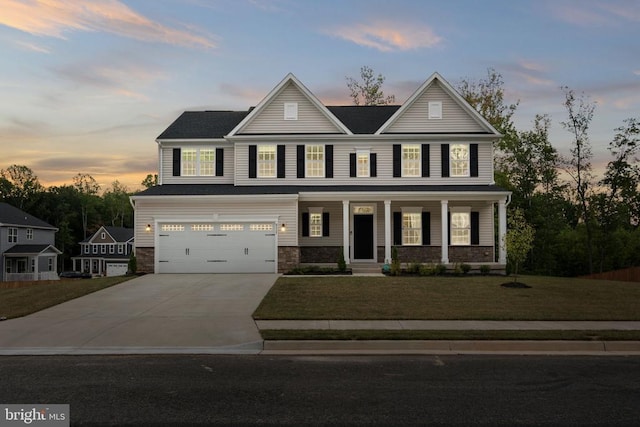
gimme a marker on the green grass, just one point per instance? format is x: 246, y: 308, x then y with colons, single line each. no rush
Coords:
x: 17, y: 302
x: 446, y: 298
x: 346, y: 335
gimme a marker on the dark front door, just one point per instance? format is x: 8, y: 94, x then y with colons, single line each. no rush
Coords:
x: 363, y: 236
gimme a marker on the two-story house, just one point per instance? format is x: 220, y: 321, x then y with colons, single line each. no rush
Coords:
x: 106, y: 252
x: 293, y: 181
x: 27, y: 250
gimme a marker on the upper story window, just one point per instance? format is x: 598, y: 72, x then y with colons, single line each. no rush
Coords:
x: 459, y: 157
x: 314, y: 164
x: 412, y: 226
x: 12, y: 236
x: 198, y: 162
x: 119, y: 249
x: 95, y: 249
x: 29, y: 233
x: 103, y: 236
x: 291, y: 111
x: 86, y: 249
x: 103, y: 249
x: 460, y: 226
x: 266, y: 161
x: 411, y: 160
x: 363, y: 165
x: 111, y: 249
x: 435, y: 110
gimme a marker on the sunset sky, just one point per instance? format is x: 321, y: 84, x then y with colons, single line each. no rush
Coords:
x: 87, y: 86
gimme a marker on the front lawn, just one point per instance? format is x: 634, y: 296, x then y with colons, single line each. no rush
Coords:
x: 17, y: 302
x: 443, y: 298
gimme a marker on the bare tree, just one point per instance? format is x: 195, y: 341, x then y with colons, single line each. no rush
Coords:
x: 368, y: 90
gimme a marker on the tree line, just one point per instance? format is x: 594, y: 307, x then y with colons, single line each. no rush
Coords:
x: 77, y: 210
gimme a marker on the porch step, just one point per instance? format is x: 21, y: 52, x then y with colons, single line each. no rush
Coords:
x: 368, y: 268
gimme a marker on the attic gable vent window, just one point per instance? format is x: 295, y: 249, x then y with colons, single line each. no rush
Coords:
x: 435, y: 110
x: 291, y: 111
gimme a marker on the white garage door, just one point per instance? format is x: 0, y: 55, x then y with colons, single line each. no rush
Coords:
x: 117, y: 268
x: 217, y: 248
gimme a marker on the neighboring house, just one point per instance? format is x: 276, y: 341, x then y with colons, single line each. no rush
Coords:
x: 26, y: 246
x: 293, y: 181
x: 106, y: 252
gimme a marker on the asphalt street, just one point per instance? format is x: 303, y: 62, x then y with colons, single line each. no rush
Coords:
x: 351, y: 390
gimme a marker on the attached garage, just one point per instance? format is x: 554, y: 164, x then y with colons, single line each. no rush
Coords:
x: 216, y: 247
x: 117, y: 268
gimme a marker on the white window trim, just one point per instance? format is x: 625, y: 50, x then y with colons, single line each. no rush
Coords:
x: 322, y: 162
x: 111, y: 249
x: 419, y: 173
x: 451, y: 160
x: 465, y: 210
x: 315, y: 211
x: 435, y: 110
x: 290, y: 111
x: 103, y: 236
x: 87, y: 249
x: 274, y: 161
x: 95, y: 249
x: 416, y: 210
x: 120, y: 249
x: 198, y: 161
x: 368, y: 171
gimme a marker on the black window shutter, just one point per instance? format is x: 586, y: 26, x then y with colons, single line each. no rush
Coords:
x: 426, y: 228
x: 373, y: 165
x: 305, y: 224
x: 352, y: 164
x: 473, y: 158
x: 397, y: 228
x: 253, y: 161
x: 328, y: 161
x: 475, y: 228
x: 176, y: 161
x: 219, y: 161
x: 325, y: 224
x: 300, y: 162
x: 425, y: 160
x: 397, y: 160
x: 445, y: 160
x: 281, y: 161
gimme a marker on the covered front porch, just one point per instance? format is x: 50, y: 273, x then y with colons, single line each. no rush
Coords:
x: 30, y: 263
x: 423, y: 228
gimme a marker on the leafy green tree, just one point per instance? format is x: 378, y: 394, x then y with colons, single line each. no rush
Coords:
x: 19, y: 186
x: 88, y: 188
x: 578, y: 165
x: 116, y: 207
x: 150, y: 181
x: 368, y: 90
x: 518, y: 240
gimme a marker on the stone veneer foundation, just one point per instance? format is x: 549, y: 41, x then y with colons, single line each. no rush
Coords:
x: 288, y: 258
x: 144, y: 259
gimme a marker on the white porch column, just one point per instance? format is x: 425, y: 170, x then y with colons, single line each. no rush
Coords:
x: 387, y: 231
x: 502, y: 231
x: 36, y: 273
x: 345, y: 231
x: 445, y: 230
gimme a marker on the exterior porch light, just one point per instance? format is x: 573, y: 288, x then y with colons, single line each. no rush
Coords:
x: 147, y: 228
x: 283, y: 227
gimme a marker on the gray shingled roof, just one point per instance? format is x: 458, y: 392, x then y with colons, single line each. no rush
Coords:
x: 203, y: 124
x: 28, y: 249
x: 217, y: 124
x: 10, y: 215
x: 230, y: 189
x: 120, y: 234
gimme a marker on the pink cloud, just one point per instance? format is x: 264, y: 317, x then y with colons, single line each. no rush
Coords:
x: 388, y: 36
x: 54, y: 18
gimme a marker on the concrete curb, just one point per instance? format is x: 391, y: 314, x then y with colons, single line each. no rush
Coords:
x: 612, y: 348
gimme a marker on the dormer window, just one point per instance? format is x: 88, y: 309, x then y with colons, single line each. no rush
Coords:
x: 291, y: 111
x: 435, y: 110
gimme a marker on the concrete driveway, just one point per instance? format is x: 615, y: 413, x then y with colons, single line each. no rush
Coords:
x: 168, y: 313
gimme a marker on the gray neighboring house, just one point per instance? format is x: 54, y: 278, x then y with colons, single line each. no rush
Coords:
x: 106, y: 252
x: 26, y: 246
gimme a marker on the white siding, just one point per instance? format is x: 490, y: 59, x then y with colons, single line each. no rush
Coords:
x: 454, y: 118
x: 341, y: 151
x: 175, y: 208
x: 167, y: 167
x: 271, y: 118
